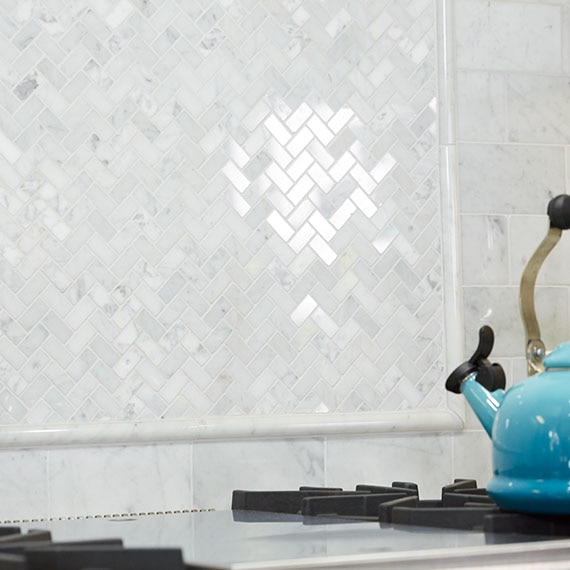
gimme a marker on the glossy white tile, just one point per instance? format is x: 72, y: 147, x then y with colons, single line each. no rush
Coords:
x: 526, y: 233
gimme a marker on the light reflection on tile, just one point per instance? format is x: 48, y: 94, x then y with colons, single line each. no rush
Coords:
x: 172, y: 192
x: 343, y: 214
x: 301, y: 213
x: 280, y: 226
x: 383, y: 167
x: 363, y: 202
x: 300, y: 141
x: 305, y: 308
x: 322, y: 226
x: 239, y: 204
x: 382, y: 242
x: 300, y: 189
x: 302, y: 238
x: 323, y: 250
x: 235, y: 176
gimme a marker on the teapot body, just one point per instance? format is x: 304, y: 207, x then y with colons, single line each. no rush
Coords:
x: 531, y: 445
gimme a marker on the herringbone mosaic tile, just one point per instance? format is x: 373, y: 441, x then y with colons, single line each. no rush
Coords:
x: 217, y: 207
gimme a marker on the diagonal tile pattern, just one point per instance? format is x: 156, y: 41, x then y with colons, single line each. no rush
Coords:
x: 217, y: 207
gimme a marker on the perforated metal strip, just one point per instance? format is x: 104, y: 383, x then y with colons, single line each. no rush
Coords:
x: 105, y: 516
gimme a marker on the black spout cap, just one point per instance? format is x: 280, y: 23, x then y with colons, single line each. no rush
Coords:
x: 491, y: 376
x: 559, y: 212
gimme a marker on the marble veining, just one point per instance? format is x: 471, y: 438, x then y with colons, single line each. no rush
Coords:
x: 115, y: 481
x: 508, y: 36
x: 218, y: 209
x: 512, y: 112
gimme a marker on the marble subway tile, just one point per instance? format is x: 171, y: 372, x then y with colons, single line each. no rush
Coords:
x: 508, y: 179
x: 485, y: 253
x: 425, y: 459
x: 481, y: 106
x: 24, y: 484
x: 220, y: 467
x: 525, y: 234
x: 472, y: 456
x: 499, y: 307
x: 520, y: 369
x: 538, y: 109
x: 510, y: 36
x: 119, y: 479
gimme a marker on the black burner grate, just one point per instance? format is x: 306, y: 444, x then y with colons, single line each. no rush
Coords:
x: 35, y: 550
x: 363, y: 502
x: 463, y: 505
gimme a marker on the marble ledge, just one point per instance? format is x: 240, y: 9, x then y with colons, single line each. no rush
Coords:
x: 228, y: 428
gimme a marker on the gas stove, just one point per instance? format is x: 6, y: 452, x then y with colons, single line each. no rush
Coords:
x: 372, y: 526
x: 463, y: 506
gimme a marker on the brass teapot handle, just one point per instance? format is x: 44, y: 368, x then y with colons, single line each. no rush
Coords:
x: 559, y: 214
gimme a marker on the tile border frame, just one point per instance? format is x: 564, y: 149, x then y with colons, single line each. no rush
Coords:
x: 451, y: 418
x: 228, y: 428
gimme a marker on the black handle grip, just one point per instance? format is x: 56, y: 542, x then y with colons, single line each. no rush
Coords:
x: 492, y: 376
x: 559, y: 212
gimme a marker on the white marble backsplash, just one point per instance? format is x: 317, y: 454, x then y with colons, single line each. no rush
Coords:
x: 217, y: 208
x: 509, y: 36
x: 512, y: 116
x: 220, y: 217
x: 307, y: 289
x: 121, y: 480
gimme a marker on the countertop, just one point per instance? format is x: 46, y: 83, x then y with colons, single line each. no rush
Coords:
x: 249, y: 540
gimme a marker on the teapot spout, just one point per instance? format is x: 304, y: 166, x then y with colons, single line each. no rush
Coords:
x: 485, y: 404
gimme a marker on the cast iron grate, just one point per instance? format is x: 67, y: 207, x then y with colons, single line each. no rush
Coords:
x: 463, y: 505
x: 35, y: 550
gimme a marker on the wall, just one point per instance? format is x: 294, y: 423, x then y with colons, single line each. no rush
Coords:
x: 169, y: 255
x: 512, y: 128
x: 218, y: 208
x: 116, y: 480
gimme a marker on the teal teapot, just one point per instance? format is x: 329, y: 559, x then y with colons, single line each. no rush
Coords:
x: 529, y: 424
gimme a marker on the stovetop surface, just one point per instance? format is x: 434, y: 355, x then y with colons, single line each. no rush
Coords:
x: 224, y: 539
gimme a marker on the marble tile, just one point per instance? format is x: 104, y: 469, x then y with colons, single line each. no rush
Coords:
x: 220, y: 467
x: 499, y: 308
x: 485, y: 252
x: 538, y: 109
x: 424, y: 459
x: 115, y: 480
x: 481, y: 106
x: 525, y: 234
x: 519, y: 369
x: 508, y: 179
x: 472, y: 456
x: 24, y: 484
x: 508, y: 36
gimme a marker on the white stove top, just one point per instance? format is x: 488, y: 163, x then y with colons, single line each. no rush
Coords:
x: 264, y: 540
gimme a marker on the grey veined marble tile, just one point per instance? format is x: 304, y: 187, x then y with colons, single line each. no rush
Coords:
x: 219, y: 208
x: 508, y: 36
x: 485, y: 249
x: 502, y: 178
